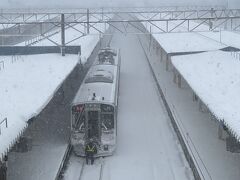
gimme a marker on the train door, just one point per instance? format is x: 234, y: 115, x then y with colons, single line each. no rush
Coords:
x: 93, y: 130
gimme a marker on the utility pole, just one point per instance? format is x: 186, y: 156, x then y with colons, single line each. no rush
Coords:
x: 62, y: 35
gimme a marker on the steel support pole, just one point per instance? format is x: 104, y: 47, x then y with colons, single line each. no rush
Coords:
x: 88, y: 26
x: 62, y: 35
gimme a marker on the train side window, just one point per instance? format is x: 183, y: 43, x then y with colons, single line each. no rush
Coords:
x: 107, y: 121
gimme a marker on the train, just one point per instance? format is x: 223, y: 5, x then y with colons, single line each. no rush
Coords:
x: 95, y: 106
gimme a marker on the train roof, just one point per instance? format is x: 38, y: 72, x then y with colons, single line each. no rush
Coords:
x: 97, y: 82
x: 104, y: 92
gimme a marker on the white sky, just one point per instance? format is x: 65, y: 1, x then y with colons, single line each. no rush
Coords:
x: 104, y: 3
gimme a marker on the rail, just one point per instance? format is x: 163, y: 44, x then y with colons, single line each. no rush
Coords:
x: 100, y: 170
x: 2, y: 122
x: 190, y: 143
x: 81, y: 172
x: 64, y: 162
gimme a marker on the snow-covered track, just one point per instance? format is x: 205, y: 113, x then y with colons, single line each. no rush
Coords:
x: 88, y: 169
x: 197, y: 172
x: 81, y: 172
x: 65, y: 160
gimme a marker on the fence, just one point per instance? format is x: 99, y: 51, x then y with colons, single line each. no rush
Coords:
x: 236, y: 55
x: 1, y: 65
x: 4, y: 121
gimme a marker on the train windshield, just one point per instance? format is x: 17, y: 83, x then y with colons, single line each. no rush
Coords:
x: 93, y: 124
x: 78, y: 118
x: 106, y: 57
x: 107, y: 117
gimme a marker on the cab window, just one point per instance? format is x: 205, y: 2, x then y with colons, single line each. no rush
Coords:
x: 107, y: 121
x: 78, y: 118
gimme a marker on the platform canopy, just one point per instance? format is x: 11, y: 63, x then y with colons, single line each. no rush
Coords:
x: 186, y: 42
x: 214, y: 77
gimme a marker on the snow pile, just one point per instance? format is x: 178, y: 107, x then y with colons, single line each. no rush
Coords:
x: 27, y: 85
x: 214, y: 76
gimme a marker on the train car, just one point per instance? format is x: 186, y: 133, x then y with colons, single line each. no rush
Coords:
x: 94, y: 108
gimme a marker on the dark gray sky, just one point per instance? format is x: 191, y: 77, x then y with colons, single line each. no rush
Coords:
x: 104, y: 3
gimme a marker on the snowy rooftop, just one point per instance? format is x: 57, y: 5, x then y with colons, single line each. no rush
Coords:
x: 229, y: 38
x: 27, y: 85
x: 204, y: 40
x: 214, y: 76
x: 186, y: 42
x: 87, y: 42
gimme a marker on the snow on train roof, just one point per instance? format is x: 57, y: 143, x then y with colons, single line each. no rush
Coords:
x: 101, y: 89
x: 100, y: 76
x: 186, y: 42
x: 108, y: 50
x: 214, y: 76
x: 108, y: 60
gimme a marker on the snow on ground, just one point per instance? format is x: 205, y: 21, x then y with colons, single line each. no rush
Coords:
x: 147, y: 147
x: 27, y: 85
x: 214, y: 76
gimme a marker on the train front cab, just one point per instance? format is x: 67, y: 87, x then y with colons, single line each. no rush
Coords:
x: 97, y: 122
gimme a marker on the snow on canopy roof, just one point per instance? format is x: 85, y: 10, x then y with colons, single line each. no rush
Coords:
x: 26, y: 88
x: 186, y: 42
x: 226, y: 37
x: 214, y: 77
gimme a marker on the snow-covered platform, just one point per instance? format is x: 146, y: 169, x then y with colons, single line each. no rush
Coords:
x: 214, y: 77
x: 198, y: 128
x: 27, y: 85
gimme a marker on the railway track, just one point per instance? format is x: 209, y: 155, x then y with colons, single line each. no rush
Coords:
x: 93, y: 172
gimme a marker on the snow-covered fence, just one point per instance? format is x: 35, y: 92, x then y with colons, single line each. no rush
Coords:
x: 4, y: 123
x: 1, y: 65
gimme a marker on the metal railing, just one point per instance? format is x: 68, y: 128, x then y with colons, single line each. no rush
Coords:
x: 236, y: 55
x: 1, y: 65
x: 4, y: 121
